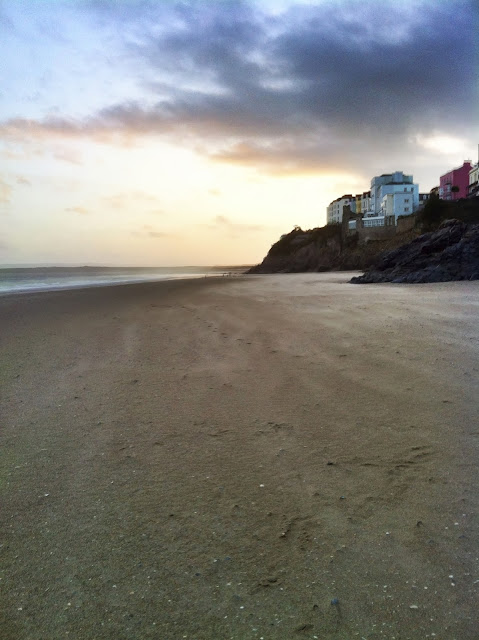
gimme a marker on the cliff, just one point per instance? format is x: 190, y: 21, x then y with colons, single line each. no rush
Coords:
x: 382, y: 251
x: 325, y: 249
x: 313, y: 250
x: 449, y: 253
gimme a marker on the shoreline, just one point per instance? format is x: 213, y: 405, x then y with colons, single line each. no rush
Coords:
x: 224, y: 457
x: 86, y: 285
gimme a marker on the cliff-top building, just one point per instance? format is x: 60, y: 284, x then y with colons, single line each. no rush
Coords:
x: 395, y: 193
x: 474, y: 181
x: 454, y: 184
x: 335, y: 209
x: 391, y: 195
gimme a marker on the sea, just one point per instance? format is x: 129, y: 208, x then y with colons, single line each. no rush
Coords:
x: 31, y: 279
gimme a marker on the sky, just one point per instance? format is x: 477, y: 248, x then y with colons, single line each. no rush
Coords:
x: 167, y: 133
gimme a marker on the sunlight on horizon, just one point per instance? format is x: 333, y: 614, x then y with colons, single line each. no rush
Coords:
x: 156, y: 204
x: 208, y: 129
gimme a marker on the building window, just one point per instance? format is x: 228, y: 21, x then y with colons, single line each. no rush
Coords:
x: 406, y: 199
x: 406, y: 208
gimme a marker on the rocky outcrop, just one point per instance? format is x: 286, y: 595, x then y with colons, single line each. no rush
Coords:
x: 449, y: 253
x: 299, y: 251
x: 325, y: 249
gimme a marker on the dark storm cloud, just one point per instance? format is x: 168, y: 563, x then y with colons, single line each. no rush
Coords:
x: 309, y: 88
x: 364, y: 69
x: 293, y: 92
x: 314, y: 65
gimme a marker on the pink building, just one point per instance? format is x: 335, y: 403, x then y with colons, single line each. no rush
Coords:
x: 455, y: 184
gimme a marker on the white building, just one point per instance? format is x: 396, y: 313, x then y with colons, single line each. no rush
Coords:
x: 365, y: 202
x: 473, y: 181
x: 397, y: 204
x: 392, y: 194
x: 335, y: 208
x: 373, y: 221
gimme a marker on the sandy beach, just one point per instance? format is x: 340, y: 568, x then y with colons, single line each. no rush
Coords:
x: 260, y: 457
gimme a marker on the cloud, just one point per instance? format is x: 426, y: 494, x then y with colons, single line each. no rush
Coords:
x: 5, y: 21
x: 309, y: 88
x: 442, y: 143
x: 130, y: 198
x: 5, y: 192
x: 115, y: 202
x: 283, y: 156
x: 24, y: 181
x: 147, y: 231
x: 224, y: 221
x: 158, y: 234
x: 233, y: 229
x: 68, y: 155
x: 80, y: 210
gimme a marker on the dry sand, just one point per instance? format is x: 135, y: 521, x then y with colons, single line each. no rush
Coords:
x: 222, y: 458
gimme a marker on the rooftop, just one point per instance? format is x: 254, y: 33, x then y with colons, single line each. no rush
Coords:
x: 464, y: 165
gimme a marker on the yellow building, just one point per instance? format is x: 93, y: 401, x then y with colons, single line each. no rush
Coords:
x: 358, y: 198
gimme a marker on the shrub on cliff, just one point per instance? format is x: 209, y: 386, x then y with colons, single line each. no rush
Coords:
x: 436, y: 211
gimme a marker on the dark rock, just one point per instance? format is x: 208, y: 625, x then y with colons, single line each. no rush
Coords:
x: 301, y: 627
x: 303, y: 251
x: 449, y: 253
x: 333, y: 248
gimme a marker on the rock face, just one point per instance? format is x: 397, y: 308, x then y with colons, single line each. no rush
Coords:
x: 324, y: 249
x: 299, y: 251
x: 449, y: 253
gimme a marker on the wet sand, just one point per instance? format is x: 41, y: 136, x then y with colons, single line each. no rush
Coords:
x: 224, y: 458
